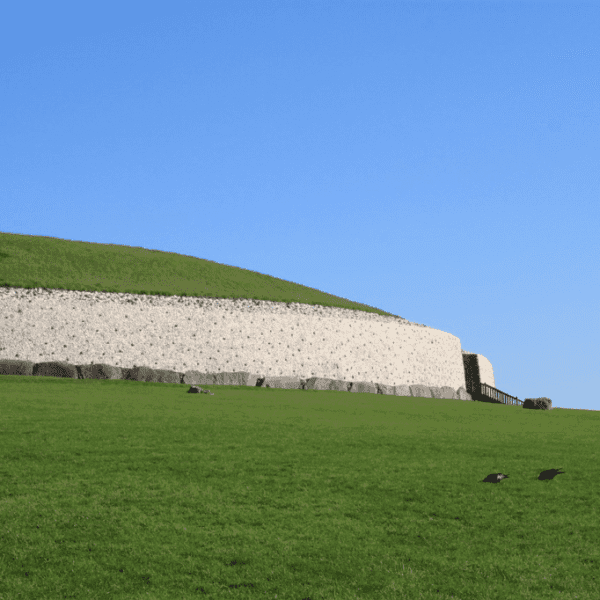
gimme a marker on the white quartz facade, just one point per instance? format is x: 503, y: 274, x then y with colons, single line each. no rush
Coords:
x: 486, y: 372
x: 216, y: 335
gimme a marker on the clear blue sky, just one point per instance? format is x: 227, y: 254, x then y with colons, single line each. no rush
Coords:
x: 439, y: 161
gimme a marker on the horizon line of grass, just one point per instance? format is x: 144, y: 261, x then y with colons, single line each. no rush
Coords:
x: 53, y: 263
x: 36, y: 377
x: 144, y: 491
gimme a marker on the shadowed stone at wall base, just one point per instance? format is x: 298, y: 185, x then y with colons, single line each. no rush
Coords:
x: 152, y: 375
x: 339, y: 385
x: 16, y: 367
x: 435, y: 391
x: 168, y: 376
x: 141, y: 374
x: 386, y: 390
x: 223, y: 378
x: 363, y: 387
x: 323, y: 384
x: 56, y: 369
x: 282, y: 382
x: 195, y: 378
x: 101, y: 371
x: 198, y: 390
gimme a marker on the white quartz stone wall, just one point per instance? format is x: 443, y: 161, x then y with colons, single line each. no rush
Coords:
x: 486, y: 372
x: 214, y: 335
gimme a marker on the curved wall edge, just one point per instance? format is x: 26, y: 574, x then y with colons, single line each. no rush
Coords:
x: 478, y: 370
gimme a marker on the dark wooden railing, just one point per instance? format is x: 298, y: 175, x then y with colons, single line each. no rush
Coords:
x: 491, y: 394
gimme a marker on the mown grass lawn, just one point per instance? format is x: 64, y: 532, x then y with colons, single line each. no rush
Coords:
x: 121, y: 489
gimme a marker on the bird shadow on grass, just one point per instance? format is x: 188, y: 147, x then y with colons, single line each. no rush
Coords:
x: 544, y: 475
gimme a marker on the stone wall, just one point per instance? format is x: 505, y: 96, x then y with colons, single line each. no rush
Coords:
x: 223, y: 335
x: 478, y: 370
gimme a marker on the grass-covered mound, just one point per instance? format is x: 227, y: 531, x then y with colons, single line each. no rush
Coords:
x: 38, y: 261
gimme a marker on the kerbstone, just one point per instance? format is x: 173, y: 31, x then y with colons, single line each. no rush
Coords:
x: 55, y: 369
x: 322, y: 383
x: 448, y: 393
x: 195, y: 378
x: 462, y: 394
x: 100, y: 371
x: 282, y: 382
x: 387, y: 390
x: 16, y: 367
x: 363, y: 387
x: 402, y: 390
x: 420, y: 391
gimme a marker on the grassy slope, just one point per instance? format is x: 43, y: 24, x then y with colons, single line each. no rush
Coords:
x: 136, y: 490
x: 37, y: 261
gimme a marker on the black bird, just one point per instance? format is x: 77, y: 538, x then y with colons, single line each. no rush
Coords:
x: 550, y: 474
x: 495, y: 478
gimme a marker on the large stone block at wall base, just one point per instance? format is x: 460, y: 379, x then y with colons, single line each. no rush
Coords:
x: 402, y: 390
x: 56, y: 369
x: 147, y: 374
x: 463, y: 394
x: 420, y: 391
x: 100, y: 371
x: 321, y: 383
x: 152, y: 375
x: 444, y: 392
x: 16, y: 367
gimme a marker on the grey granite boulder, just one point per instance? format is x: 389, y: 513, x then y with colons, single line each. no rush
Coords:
x: 462, y: 394
x: 195, y: 378
x: 386, y: 390
x: 100, y: 371
x: 420, y: 391
x: 55, y: 369
x: 443, y: 392
x: 402, y: 390
x: 538, y: 403
x: 221, y: 378
x: 322, y: 383
x: 140, y: 374
x: 16, y: 367
x: 363, y: 387
x: 198, y: 390
x: 281, y: 382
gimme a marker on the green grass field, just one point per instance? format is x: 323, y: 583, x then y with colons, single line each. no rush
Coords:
x: 122, y: 489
